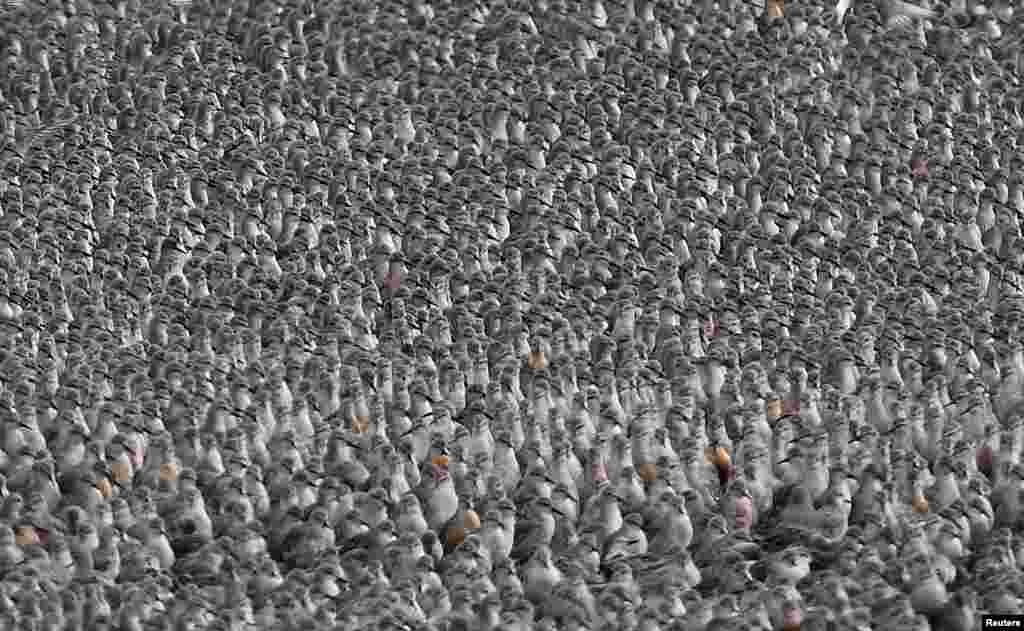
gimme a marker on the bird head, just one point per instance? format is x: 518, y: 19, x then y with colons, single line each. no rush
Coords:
x: 793, y: 564
x: 319, y: 516
x: 409, y: 504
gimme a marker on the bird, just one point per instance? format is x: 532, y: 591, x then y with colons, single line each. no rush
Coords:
x: 12, y: 554
x: 536, y: 527
x: 789, y: 567
x: 106, y: 558
x: 437, y: 495
x: 496, y: 537
x: 628, y: 541
x: 540, y: 574
x: 410, y: 516
x: 305, y: 543
x: 155, y: 541
x: 738, y: 505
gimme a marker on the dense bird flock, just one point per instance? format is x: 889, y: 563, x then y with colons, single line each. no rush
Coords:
x: 519, y: 315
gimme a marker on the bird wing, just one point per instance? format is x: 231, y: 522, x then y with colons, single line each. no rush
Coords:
x: 528, y: 535
x: 293, y: 540
x: 760, y: 570
x: 304, y: 545
x: 899, y: 8
x: 780, y: 498
x: 364, y: 541
x: 781, y: 537
x: 841, y: 8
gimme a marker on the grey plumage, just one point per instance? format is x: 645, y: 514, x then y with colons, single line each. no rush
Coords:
x: 529, y: 315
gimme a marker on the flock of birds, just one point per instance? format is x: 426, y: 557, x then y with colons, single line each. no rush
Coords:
x: 519, y: 315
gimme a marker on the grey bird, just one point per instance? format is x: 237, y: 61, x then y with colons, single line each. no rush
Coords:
x: 307, y: 542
